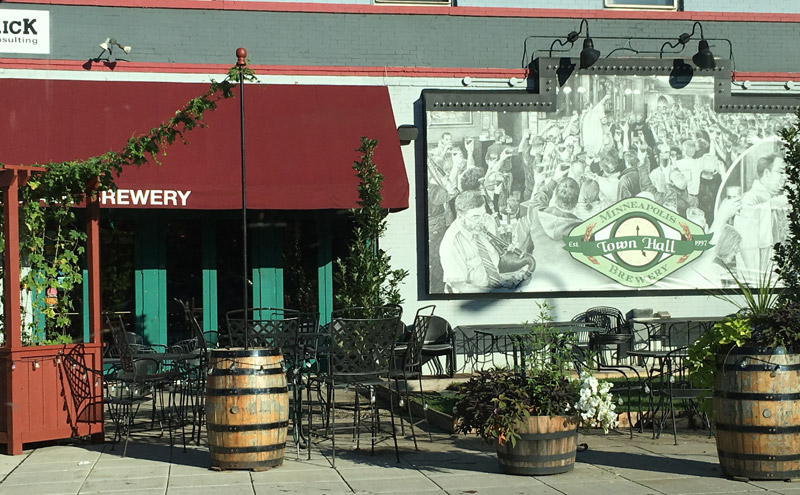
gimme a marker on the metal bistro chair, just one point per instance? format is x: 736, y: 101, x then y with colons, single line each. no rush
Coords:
x: 197, y: 368
x: 408, y: 366
x: 672, y: 384
x: 287, y: 330
x: 618, y: 334
x: 359, y: 355
x: 138, y: 381
x: 439, y: 340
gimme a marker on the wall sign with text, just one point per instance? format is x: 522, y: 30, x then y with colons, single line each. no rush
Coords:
x: 24, y: 31
x: 634, y: 175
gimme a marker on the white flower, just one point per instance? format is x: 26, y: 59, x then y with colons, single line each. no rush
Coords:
x: 596, y: 403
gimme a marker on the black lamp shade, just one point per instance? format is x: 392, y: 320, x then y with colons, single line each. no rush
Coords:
x: 588, y: 55
x: 704, y: 58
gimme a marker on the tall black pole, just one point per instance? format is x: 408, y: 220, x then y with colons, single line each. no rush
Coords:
x: 241, y: 63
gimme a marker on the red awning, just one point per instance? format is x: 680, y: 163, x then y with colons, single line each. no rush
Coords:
x: 300, y: 141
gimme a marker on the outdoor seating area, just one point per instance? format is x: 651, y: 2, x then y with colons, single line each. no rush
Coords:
x: 336, y: 375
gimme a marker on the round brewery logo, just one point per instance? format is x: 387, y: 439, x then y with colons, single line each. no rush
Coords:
x: 637, y: 242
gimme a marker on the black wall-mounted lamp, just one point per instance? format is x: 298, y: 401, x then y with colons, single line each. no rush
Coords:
x: 407, y: 133
x: 704, y: 59
x: 588, y: 55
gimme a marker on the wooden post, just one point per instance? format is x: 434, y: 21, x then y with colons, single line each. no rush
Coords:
x: 93, y: 265
x: 12, y: 319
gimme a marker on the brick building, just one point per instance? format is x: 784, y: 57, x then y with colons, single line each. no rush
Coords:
x: 422, y: 54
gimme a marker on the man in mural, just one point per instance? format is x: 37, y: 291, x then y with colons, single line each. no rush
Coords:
x: 439, y: 154
x: 551, y: 216
x: 659, y: 176
x: 762, y: 220
x: 531, y: 149
x: 497, y: 147
x: 635, y: 178
x: 471, y: 260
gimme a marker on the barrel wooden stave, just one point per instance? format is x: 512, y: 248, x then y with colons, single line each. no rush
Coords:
x: 757, y: 414
x: 247, y: 408
x: 547, y: 446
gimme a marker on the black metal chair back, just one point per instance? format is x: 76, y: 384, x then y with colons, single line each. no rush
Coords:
x: 439, y: 340
x: 362, y: 342
x: 266, y: 327
x: 121, y: 342
x: 409, y: 350
x: 607, y: 317
x: 195, y: 329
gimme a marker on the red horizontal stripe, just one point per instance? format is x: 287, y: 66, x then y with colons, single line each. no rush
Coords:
x: 430, y: 10
x: 766, y: 76
x: 295, y: 70
x: 313, y: 70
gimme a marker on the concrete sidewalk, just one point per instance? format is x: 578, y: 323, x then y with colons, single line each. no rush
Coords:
x: 450, y: 464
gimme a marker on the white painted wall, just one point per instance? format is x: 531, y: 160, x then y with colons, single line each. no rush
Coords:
x: 401, y: 241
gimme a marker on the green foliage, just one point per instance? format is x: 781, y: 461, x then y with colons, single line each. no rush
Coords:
x: 51, y: 240
x: 731, y: 332
x: 769, y: 315
x: 787, y: 254
x: 365, y: 277
x: 495, y: 403
x: 763, y: 320
x: 759, y: 300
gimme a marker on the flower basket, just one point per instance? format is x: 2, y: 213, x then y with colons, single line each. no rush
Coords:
x: 547, y: 446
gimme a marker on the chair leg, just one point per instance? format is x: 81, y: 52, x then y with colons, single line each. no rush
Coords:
x: 394, y: 430
x: 424, y: 408
x: 332, y: 422
x: 400, y: 394
x: 410, y: 415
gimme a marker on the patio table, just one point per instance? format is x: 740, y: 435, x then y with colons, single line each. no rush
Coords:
x: 491, y: 336
x: 655, y: 372
x: 669, y: 329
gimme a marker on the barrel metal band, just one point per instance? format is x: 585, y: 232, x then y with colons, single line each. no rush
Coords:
x: 277, y: 370
x: 246, y: 391
x: 512, y: 458
x: 246, y: 465
x: 247, y: 427
x: 241, y: 353
x: 548, y: 436
x: 772, y: 475
x: 246, y: 450
x: 760, y: 351
x: 757, y: 457
x: 759, y: 429
x: 722, y: 394
x: 535, y: 471
x: 761, y: 367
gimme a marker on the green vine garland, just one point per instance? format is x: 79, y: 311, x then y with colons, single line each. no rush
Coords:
x: 51, y: 242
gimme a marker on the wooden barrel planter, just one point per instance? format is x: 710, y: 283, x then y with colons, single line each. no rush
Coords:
x: 757, y: 413
x: 547, y: 447
x: 247, y: 408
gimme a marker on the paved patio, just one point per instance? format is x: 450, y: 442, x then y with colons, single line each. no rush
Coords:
x: 450, y: 464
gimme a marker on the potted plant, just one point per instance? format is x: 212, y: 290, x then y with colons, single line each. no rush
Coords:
x: 533, y: 417
x: 750, y: 364
x: 750, y: 360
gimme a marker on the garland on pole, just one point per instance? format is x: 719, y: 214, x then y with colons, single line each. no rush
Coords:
x: 51, y: 241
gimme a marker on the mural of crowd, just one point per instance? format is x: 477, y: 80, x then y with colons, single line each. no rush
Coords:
x: 505, y: 187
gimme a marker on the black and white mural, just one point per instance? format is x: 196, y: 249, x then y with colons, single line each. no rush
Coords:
x: 522, y: 200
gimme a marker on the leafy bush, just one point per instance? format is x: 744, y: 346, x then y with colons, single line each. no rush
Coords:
x: 496, y: 403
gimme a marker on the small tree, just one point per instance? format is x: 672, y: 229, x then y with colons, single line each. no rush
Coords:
x: 787, y: 254
x: 365, y: 276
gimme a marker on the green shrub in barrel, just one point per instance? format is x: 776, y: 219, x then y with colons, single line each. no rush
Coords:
x: 752, y: 360
x: 532, y: 415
